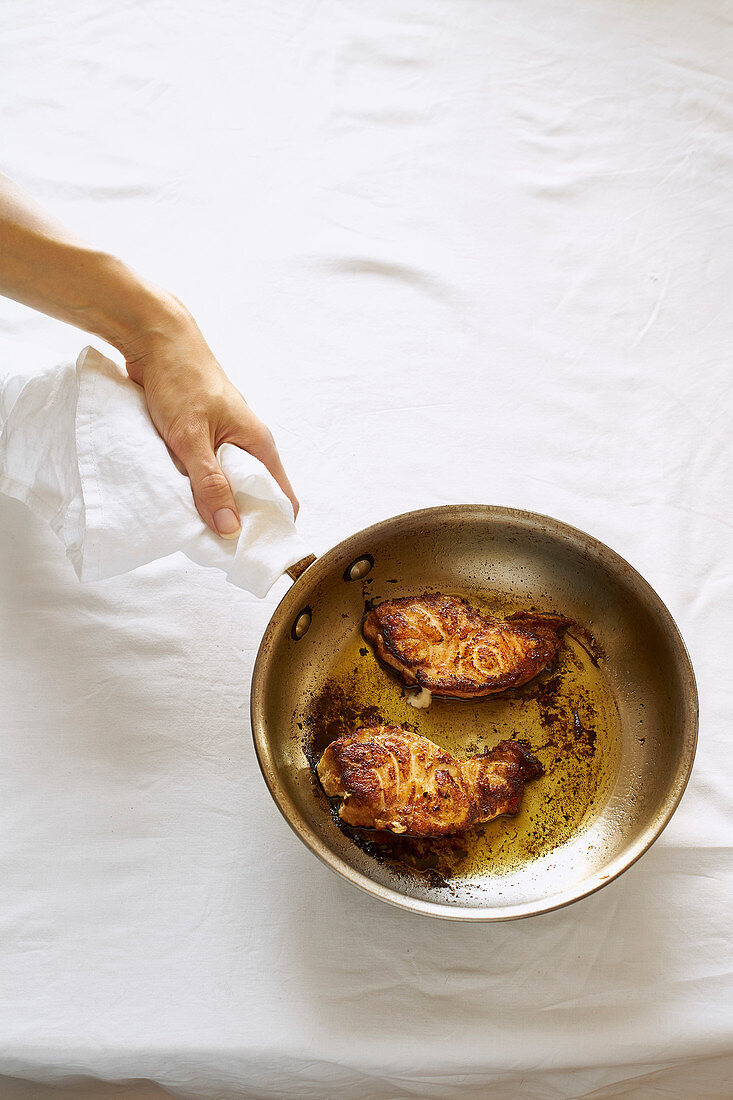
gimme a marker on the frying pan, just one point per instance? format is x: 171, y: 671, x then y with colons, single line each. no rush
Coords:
x: 615, y: 724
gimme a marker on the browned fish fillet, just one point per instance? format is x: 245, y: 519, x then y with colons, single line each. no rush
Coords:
x: 445, y: 645
x: 389, y: 778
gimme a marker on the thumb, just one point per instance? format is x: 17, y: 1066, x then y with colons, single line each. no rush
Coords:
x: 212, y: 492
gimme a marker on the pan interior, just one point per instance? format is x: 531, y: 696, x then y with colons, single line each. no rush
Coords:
x: 567, y: 715
x: 609, y: 722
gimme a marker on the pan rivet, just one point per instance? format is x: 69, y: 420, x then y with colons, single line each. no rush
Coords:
x: 301, y: 624
x: 359, y: 568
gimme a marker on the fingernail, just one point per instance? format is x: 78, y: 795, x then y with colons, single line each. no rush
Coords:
x: 227, y: 523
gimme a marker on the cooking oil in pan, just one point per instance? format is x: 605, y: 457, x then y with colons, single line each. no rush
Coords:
x: 567, y: 714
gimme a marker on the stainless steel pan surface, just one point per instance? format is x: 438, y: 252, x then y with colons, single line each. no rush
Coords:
x: 614, y: 723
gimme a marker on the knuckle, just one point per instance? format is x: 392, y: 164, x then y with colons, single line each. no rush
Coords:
x: 214, y: 484
x: 262, y: 438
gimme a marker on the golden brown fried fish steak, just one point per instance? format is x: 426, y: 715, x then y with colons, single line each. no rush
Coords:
x: 389, y: 778
x: 445, y: 645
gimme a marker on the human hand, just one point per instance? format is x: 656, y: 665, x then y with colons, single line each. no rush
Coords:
x: 195, y: 408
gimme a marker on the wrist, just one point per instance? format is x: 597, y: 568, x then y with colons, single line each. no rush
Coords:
x: 149, y: 326
x: 140, y: 316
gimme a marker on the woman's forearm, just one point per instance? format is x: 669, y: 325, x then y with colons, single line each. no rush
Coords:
x: 44, y: 266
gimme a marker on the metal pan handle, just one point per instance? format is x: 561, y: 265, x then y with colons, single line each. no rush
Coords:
x: 299, y: 568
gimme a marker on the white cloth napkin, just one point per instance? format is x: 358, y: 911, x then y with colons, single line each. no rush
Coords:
x: 77, y: 445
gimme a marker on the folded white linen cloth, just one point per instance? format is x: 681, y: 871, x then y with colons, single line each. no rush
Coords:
x: 77, y: 445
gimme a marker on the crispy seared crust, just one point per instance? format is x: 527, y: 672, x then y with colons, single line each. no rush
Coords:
x: 443, y: 644
x: 389, y: 778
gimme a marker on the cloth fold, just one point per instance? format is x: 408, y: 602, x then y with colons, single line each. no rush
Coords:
x: 78, y: 447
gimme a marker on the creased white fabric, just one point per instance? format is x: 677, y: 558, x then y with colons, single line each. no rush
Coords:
x: 77, y: 445
x: 449, y: 250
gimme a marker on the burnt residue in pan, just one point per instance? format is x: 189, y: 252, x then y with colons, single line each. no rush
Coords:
x: 333, y: 714
x: 565, y: 733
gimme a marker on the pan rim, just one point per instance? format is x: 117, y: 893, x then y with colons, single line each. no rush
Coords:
x: 293, y: 599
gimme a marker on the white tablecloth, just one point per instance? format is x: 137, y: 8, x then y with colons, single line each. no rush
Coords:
x: 451, y: 251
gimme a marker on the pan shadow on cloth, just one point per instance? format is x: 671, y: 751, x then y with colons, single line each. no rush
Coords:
x: 592, y: 960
